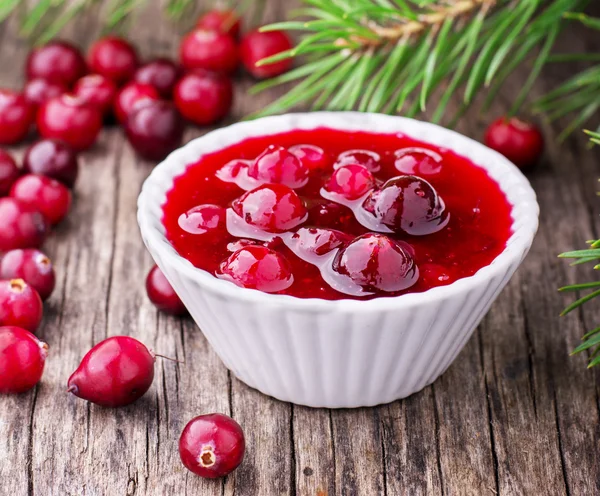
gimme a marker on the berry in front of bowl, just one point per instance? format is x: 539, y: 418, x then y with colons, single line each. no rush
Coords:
x: 257, y: 46
x: 96, y: 90
x: 161, y: 73
x: 58, y: 62
x: 520, y: 142
x: 20, y: 305
x: 162, y: 294
x: 22, y: 360
x: 132, y: 96
x: 114, y: 58
x: 22, y: 225
x: 9, y: 172
x: 203, y: 97
x: 209, y: 50
x: 16, y: 117
x: 50, y: 197
x: 54, y: 159
x: 32, y: 266
x: 38, y: 91
x: 225, y: 21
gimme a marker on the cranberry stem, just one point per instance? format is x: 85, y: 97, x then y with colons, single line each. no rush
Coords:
x: 166, y: 357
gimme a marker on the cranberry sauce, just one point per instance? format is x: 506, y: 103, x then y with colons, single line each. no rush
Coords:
x: 333, y: 214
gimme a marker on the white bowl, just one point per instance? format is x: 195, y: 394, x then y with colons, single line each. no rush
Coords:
x: 343, y: 353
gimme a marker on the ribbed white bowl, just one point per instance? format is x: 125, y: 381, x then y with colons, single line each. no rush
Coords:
x: 344, y: 353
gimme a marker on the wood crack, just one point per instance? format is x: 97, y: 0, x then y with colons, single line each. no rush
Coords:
x: 436, y: 419
x: 334, y: 461
x: 561, y: 452
x: 30, y: 485
x: 530, y: 358
x: 293, y: 484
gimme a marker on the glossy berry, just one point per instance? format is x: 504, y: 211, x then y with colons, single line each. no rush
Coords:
x: 257, y: 267
x: 131, y: 96
x: 96, y: 90
x: 278, y: 165
x: 520, y: 142
x: 256, y: 46
x: 160, y: 73
x: 203, y: 219
x: 116, y: 372
x: 313, y: 157
x: 33, y: 267
x: 22, y: 360
x: 9, y: 172
x: 51, y: 198
x: 57, y: 61
x: 114, y: 58
x: 154, y: 129
x: 418, y: 161
x: 70, y: 119
x: 203, y: 97
x: 20, y: 305
x: 351, y: 181
x: 225, y: 21
x: 317, y: 241
x: 38, y: 91
x: 212, y: 445
x: 271, y: 207
x: 162, y: 294
x: 22, y: 226
x: 366, y: 158
x: 16, y: 117
x: 54, y: 159
x: 209, y: 50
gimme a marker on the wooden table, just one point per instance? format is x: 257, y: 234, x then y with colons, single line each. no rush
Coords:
x: 513, y: 415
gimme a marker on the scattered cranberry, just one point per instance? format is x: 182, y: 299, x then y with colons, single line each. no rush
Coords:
x: 202, y: 219
x: 116, y: 372
x: 155, y: 129
x: 113, y: 58
x: 366, y: 158
x: 22, y: 226
x: 9, y: 172
x: 33, y: 267
x: 70, y: 119
x: 210, y: 50
x: 38, y: 91
x: 278, y: 165
x: 20, y: 305
x: 351, y: 181
x: 57, y: 61
x: 162, y: 294
x: 203, y: 97
x: 212, y: 445
x: 16, y: 117
x: 54, y: 159
x: 257, y: 46
x: 520, y: 142
x: 418, y: 161
x: 313, y: 157
x: 51, y: 198
x: 317, y: 241
x: 96, y: 90
x: 160, y: 73
x: 257, y: 267
x: 131, y: 96
x: 22, y: 360
x: 225, y: 21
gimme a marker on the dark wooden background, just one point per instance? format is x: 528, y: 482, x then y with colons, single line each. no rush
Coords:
x: 513, y: 415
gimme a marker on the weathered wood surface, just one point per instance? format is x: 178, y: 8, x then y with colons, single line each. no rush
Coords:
x: 513, y: 415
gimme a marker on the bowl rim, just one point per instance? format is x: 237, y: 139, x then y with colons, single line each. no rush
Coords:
x: 516, y: 187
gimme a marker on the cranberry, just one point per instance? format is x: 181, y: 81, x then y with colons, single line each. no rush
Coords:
x: 38, y: 91
x: 377, y: 263
x: 162, y: 294
x: 70, y: 119
x: 202, y: 219
x: 210, y: 50
x: 132, y: 96
x: 278, y: 165
x: 22, y: 225
x: 51, y: 198
x: 271, y: 207
x: 22, y: 360
x: 9, y: 172
x: 113, y: 58
x: 20, y: 305
x: 351, y: 181
x: 57, y: 61
x: 160, y: 73
x: 313, y: 157
x: 212, y: 445
x: 204, y: 98
x: 520, y: 142
x: 408, y: 204
x: 256, y: 46
x: 96, y: 90
x: 418, y: 161
x: 16, y: 117
x: 366, y: 158
x: 33, y: 267
x: 154, y: 129
x: 54, y: 159
x: 257, y: 267
x: 317, y: 241
x: 225, y: 21
x: 116, y: 372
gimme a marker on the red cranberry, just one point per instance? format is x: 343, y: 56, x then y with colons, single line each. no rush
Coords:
x: 54, y: 159
x: 160, y: 73
x: 22, y: 360
x: 154, y: 129
x: 313, y: 157
x: 225, y: 21
x: 50, y: 197
x: 317, y: 241
x: 70, y: 119
x: 366, y: 158
x: 278, y: 165
x: 116, y: 372
x: 257, y: 46
x: 22, y: 225
x: 16, y: 117
x: 271, y: 207
x: 257, y: 267
x: 57, y: 61
x: 38, y: 91
x: 114, y: 58
x: 418, y: 161
x: 377, y: 263
x: 9, y: 172
x: 132, y: 96
x: 520, y: 142
x: 204, y: 98
x: 210, y: 50
x: 96, y: 90
x: 212, y: 445
x: 408, y: 204
x: 20, y: 305
x: 351, y: 181
x: 33, y: 267
x: 162, y: 294
x: 202, y: 219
